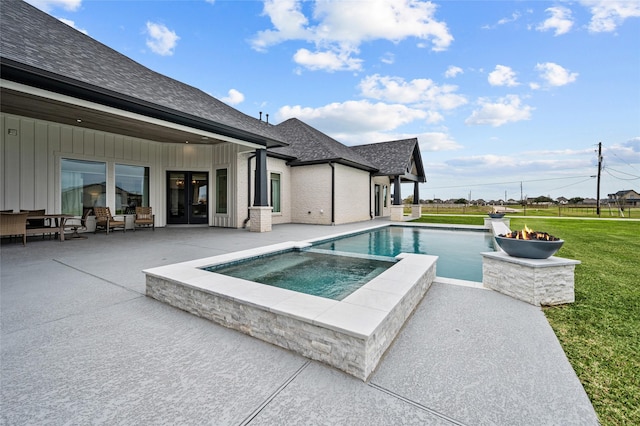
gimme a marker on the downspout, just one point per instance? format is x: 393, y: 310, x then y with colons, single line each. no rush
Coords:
x: 333, y: 193
x: 244, y: 223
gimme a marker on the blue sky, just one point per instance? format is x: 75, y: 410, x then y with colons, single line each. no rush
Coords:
x: 498, y: 93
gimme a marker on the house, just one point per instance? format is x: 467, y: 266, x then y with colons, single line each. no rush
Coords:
x: 562, y: 200
x: 627, y: 197
x: 83, y: 125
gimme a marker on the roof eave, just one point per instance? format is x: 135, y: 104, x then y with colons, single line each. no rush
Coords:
x: 342, y: 161
x: 31, y: 76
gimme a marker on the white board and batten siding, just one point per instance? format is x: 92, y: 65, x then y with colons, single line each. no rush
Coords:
x: 32, y: 149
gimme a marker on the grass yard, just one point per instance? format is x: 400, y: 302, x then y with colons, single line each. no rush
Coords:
x: 606, y: 211
x: 600, y: 332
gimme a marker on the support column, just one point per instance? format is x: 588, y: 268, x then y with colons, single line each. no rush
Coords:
x: 397, y: 208
x: 260, y: 213
x: 396, y: 191
x: 416, y: 208
x: 260, y: 196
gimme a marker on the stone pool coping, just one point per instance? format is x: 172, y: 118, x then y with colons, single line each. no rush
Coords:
x: 351, y: 335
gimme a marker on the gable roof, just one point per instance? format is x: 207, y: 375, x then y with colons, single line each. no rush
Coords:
x: 395, y: 158
x: 37, y: 50
x: 310, y: 146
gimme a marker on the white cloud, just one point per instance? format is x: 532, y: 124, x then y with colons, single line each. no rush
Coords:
x: 388, y: 58
x: 453, y: 71
x: 289, y: 23
x: 72, y: 24
x: 340, y: 27
x: 560, y: 20
x: 327, y: 60
x: 48, y: 5
x: 353, y: 117
x: 514, y: 17
x: 607, y: 15
x: 522, y: 163
x: 502, y: 76
x: 437, y: 141
x: 434, y: 117
x: 428, y: 142
x: 625, y: 153
x: 233, y: 97
x: 161, y: 39
x: 555, y: 75
x: 421, y: 91
x: 506, y: 110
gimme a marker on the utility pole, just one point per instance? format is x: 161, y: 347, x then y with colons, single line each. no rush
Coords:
x: 599, y: 169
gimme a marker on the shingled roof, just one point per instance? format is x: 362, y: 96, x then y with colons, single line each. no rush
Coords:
x: 38, y: 50
x: 395, y: 158
x: 311, y: 146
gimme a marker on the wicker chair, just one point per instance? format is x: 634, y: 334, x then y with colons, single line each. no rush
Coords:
x: 106, y: 221
x: 14, y: 224
x: 144, y: 217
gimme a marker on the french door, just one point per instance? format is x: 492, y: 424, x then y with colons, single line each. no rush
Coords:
x: 187, y: 197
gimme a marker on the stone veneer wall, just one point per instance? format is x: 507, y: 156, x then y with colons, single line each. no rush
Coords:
x: 352, y: 352
x: 536, y: 281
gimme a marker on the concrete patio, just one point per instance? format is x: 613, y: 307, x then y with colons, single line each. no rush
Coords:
x: 82, y: 344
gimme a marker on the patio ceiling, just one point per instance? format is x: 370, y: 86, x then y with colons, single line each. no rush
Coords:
x: 97, y: 117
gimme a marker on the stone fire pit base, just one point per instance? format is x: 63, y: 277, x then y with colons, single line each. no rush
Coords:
x: 535, y: 281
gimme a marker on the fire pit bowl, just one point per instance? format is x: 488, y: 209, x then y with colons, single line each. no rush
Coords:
x: 529, y: 244
x: 496, y: 215
x: 530, y: 249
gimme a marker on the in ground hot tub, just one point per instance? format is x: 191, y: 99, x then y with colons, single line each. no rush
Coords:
x: 350, y: 334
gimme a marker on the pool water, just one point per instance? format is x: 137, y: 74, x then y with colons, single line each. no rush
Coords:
x: 325, y: 275
x: 458, y: 250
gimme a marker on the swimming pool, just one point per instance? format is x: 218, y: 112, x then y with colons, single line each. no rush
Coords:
x: 319, y: 274
x: 458, y: 250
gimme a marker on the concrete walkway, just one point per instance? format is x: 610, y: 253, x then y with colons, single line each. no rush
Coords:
x: 82, y: 344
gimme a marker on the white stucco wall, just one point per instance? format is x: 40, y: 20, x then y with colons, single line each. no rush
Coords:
x: 352, y: 195
x: 311, y: 194
x: 30, y: 176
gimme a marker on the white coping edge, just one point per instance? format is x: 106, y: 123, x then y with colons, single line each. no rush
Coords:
x: 371, y: 302
x: 461, y: 283
x: 532, y: 263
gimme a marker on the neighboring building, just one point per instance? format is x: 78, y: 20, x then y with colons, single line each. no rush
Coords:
x: 562, y: 200
x: 627, y: 197
x: 83, y: 125
x: 590, y: 201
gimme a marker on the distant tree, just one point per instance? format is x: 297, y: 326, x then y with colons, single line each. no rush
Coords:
x: 460, y: 201
x: 576, y: 200
x: 542, y: 199
x: 408, y: 200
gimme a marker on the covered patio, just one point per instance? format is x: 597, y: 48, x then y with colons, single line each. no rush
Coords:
x: 81, y: 343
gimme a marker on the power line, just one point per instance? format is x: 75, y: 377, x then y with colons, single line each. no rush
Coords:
x: 619, y: 178
x: 571, y: 184
x: 624, y: 173
x: 622, y: 159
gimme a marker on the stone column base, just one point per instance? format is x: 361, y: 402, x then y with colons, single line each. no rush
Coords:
x: 397, y: 213
x: 488, y: 220
x: 416, y: 210
x: 536, y: 281
x: 260, y: 218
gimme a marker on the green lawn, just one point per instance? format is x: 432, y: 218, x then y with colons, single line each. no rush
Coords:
x: 552, y: 211
x: 600, y: 332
